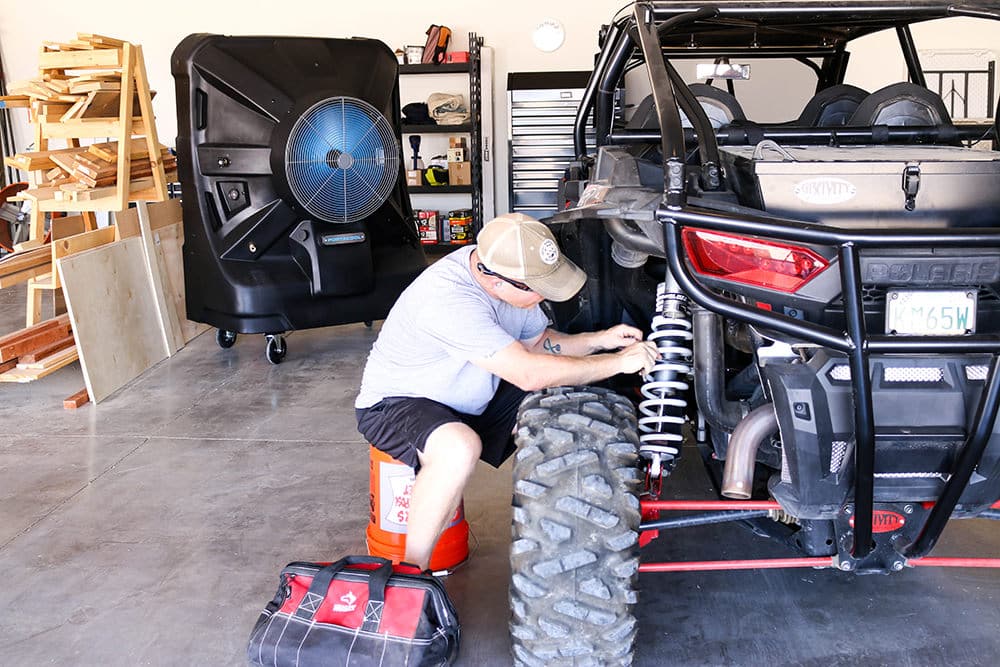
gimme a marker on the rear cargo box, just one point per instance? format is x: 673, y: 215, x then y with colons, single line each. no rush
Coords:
x: 869, y: 186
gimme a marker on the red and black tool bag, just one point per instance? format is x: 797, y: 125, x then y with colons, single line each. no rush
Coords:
x: 358, y: 611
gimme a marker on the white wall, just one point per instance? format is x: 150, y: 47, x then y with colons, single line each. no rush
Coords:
x: 158, y: 27
x: 506, y: 26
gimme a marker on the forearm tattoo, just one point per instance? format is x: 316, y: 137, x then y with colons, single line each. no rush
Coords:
x: 550, y: 347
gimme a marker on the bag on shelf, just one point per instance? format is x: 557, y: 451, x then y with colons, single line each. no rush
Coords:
x: 416, y: 113
x: 436, y: 45
x: 358, y: 611
x: 448, y: 109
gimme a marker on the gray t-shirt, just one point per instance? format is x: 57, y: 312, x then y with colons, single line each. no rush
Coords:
x: 440, y: 322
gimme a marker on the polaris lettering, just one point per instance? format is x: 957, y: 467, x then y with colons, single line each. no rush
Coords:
x: 940, y: 273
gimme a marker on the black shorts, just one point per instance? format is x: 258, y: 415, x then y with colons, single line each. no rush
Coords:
x: 399, y: 426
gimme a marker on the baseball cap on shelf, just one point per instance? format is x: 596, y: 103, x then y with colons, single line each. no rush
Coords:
x: 520, y: 248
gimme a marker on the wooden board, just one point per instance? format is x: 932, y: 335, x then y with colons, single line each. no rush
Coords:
x: 113, y: 313
x: 173, y: 337
x: 69, y: 225
x: 32, y: 342
x: 170, y: 242
x: 27, y: 259
x: 85, y: 241
x: 23, y: 375
x: 58, y: 358
x: 37, y: 160
x: 62, y: 320
x: 80, y: 59
x: 42, y: 352
x: 10, y: 279
x: 86, y: 128
x: 161, y: 214
x: 76, y: 400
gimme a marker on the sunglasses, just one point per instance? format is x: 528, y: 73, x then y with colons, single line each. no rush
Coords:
x: 520, y: 286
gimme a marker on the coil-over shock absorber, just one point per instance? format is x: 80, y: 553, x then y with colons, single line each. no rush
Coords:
x: 663, y: 412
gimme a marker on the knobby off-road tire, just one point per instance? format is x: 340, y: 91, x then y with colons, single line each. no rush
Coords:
x: 574, y: 554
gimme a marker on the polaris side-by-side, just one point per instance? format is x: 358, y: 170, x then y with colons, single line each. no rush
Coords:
x: 824, y: 291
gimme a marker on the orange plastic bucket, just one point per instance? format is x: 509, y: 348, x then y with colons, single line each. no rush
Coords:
x: 389, y: 485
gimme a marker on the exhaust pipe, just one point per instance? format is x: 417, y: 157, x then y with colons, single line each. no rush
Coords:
x: 737, y: 479
x: 710, y: 373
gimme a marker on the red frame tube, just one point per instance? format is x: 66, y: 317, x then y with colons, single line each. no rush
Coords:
x: 649, y: 507
x: 681, y: 505
x: 759, y: 564
x: 930, y: 561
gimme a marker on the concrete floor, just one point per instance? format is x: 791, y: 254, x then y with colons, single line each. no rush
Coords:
x: 149, y: 530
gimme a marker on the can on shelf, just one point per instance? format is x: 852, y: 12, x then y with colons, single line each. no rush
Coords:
x: 460, y: 226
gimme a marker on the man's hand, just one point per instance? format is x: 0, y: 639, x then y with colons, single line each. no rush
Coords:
x: 617, y: 337
x: 638, y: 357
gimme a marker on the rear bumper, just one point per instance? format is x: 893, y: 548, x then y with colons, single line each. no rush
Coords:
x: 857, y: 345
x: 923, y: 409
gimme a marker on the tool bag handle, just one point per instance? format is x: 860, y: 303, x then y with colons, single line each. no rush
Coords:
x: 377, y: 582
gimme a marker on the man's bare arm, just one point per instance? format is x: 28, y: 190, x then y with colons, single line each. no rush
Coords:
x: 582, y: 344
x: 532, y: 370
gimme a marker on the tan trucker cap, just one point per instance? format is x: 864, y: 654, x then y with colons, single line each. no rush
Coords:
x: 519, y: 247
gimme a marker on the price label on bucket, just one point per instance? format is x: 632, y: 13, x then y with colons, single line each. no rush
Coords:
x: 395, y: 487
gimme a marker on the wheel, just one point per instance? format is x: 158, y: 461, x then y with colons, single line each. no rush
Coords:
x: 225, y: 339
x: 276, y: 349
x: 368, y: 323
x: 574, y: 553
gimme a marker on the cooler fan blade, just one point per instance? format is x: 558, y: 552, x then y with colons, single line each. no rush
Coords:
x: 342, y: 159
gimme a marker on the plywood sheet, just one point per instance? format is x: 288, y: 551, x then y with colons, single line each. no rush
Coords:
x: 113, y: 313
x: 170, y: 244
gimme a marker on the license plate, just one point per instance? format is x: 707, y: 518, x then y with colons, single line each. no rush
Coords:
x: 930, y: 313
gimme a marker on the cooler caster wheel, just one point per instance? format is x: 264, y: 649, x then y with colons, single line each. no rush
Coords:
x: 368, y: 323
x: 276, y: 348
x: 225, y: 339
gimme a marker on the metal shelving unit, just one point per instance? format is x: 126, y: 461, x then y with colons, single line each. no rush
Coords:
x: 478, y: 148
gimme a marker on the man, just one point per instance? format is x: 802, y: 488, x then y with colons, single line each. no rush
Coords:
x: 458, y: 352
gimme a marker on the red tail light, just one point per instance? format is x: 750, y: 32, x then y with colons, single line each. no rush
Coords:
x: 769, y: 264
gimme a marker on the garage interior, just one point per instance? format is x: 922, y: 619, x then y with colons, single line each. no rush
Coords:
x: 149, y: 528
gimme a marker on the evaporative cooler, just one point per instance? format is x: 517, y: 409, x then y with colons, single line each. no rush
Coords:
x: 295, y: 208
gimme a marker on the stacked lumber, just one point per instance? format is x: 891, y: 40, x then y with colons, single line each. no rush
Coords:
x: 73, y: 87
x: 92, y: 87
x: 91, y: 166
x: 37, y: 351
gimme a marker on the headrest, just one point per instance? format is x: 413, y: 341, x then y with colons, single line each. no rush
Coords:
x: 832, y: 107
x: 720, y: 107
x: 901, y: 104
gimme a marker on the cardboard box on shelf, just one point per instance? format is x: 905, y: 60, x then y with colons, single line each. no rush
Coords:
x: 456, y: 142
x: 460, y: 173
x: 413, y: 177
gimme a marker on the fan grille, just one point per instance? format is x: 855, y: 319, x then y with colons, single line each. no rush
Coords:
x: 342, y: 159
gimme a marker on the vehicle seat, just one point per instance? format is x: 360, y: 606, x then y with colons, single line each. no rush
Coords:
x: 720, y: 107
x: 832, y: 107
x: 901, y: 104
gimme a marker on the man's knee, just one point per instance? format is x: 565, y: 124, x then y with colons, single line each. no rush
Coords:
x: 452, y: 445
